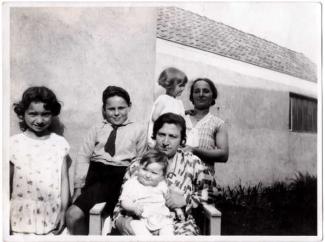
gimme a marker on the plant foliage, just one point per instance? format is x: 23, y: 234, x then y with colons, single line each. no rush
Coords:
x: 279, y: 209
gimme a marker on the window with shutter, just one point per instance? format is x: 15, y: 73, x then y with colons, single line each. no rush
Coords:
x: 303, y: 113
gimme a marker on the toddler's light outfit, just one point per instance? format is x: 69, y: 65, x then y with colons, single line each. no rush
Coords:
x: 155, y: 216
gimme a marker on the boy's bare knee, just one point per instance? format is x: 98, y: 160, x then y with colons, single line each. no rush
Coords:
x: 74, y: 214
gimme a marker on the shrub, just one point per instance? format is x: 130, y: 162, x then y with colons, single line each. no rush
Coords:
x: 279, y: 209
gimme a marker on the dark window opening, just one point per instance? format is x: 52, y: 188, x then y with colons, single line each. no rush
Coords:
x: 303, y: 113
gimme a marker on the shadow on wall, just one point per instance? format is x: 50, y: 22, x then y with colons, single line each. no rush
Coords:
x: 57, y: 126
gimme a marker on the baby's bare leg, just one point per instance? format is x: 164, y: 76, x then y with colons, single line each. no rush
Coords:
x: 139, y: 227
x: 167, y: 230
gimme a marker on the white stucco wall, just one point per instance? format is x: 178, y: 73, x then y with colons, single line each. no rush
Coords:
x: 254, y: 102
x: 77, y: 52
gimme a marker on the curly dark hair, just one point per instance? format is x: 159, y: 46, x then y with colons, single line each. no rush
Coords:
x: 212, y: 87
x: 36, y: 94
x: 170, y: 118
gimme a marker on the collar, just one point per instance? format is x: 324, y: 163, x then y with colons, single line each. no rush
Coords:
x: 126, y: 122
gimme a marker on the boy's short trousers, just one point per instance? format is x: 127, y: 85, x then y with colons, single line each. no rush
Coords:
x: 103, y: 184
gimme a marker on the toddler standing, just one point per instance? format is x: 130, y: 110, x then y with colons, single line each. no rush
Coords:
x: 174, y: 81
x: 38, y: 167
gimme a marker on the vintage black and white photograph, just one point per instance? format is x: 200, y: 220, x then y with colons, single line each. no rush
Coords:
x: 147, y: 120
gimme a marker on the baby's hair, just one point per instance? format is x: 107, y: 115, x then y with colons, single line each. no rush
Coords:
x: 36, y: 94
x: 155, y: 156
x: 112, y: 91
x: 171, y: 76
x: 212, y: 87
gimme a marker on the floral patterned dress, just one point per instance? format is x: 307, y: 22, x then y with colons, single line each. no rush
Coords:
x: 186, y: 172
x: 36, y: 192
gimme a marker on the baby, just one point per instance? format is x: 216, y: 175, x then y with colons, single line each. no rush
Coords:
x: 143, y: 196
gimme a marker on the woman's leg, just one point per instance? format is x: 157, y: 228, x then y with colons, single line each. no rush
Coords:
x: 187, y: 227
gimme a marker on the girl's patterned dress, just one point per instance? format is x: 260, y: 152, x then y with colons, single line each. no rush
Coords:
x: 36, y: 194
x: 185, y: 172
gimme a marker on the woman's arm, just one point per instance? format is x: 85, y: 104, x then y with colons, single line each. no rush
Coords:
x: 175, y: 198
x: 65, y: 195
x: 220, y: 153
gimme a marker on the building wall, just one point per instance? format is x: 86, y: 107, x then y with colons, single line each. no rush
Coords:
x: 78, y: 52
x: 255, y: 107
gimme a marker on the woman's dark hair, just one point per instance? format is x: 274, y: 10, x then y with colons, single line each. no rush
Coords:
x: 155, y: 156
x: 112, y: 91
x: 36, y: 94
x: 212, y: 87
x: 171, y: 76
x: 170, y: 118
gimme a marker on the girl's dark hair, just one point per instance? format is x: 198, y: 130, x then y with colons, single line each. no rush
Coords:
x: 171, y: 76
x: 112, y: 91
x: 170, y: 118
x: 155, y: 156
x: 36, y: 94
x: 212, y: 87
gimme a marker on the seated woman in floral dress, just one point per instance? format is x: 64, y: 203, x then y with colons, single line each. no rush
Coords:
x: 185, y: 176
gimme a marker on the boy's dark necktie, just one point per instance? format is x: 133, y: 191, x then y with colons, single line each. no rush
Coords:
x: 110, y: 144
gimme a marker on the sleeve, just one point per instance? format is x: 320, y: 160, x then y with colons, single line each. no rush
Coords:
x: 141, y: 144
x: 13, y: 143
x: 83, y: 158
x: 219, y: 123
x: 130, y: 171
x: 158, y: 108
x: 127, y: 190
x: 182, y: 109
x: 65, y: 146
x: 163, y: 187
x: 199, y: 183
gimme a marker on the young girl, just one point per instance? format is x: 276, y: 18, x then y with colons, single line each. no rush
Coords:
x: 174, y: 81
x: 38, y: 167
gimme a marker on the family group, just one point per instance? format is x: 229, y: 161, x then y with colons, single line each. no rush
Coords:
x: 152, y: 175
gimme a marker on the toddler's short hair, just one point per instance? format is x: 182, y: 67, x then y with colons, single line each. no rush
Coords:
x: 171, y: 76
x: 155, y: 156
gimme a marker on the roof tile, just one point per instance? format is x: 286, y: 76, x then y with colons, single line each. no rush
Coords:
x: 190, y: 29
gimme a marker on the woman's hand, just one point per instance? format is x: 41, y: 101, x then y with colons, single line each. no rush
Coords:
x: 188, y: 148
x: 59, y: 223
x: 190, y: 112
x: 175, y: 198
